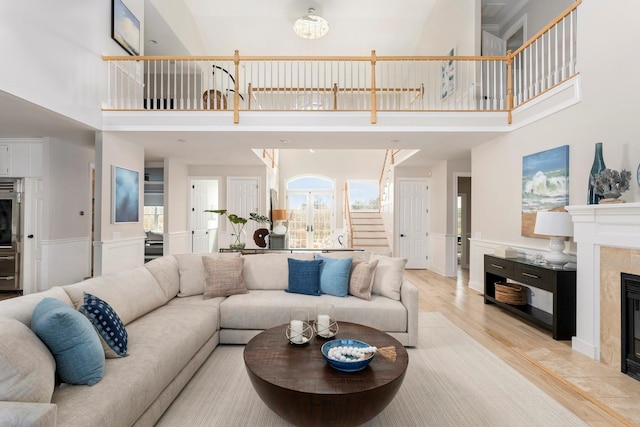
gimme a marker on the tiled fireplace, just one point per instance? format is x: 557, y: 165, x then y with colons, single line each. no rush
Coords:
x: 608, y: 244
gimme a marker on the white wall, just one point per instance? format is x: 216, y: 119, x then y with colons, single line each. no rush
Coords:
x: 53, y: 57
x: 176, y: 205
x: 443, y: 236
x: 452, y: 24
x: 224, y: 173
x: 117, y: 246
x: 604, y: 36
x: 68, y: 189
x: 539, y: 14
x: 179, y: 18
x: 66, y: 235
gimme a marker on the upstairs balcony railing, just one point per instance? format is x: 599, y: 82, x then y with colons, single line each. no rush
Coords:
x: 355, y: 83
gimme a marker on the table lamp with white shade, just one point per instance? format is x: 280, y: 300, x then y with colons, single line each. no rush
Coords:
x: 557, y: 225
x: 278, y: 216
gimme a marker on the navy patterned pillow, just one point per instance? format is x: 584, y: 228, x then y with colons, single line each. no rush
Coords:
x: 108, y: 325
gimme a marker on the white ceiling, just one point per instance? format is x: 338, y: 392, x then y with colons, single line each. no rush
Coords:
x: 257, y: 27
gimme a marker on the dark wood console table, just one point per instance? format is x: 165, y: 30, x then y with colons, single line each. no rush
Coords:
x: 560, y: 282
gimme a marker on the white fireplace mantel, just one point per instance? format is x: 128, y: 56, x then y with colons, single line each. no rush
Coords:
x: 594, y: 226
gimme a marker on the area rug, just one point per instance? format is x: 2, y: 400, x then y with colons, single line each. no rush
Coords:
x: 451, y: 380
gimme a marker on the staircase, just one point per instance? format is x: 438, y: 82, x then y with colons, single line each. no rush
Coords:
x: 369, y: 233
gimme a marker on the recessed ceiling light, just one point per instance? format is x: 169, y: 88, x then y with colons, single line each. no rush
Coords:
x: 284, y: 141
x: 394, y: 141
x: 153, y: 41
x: 312, y: 151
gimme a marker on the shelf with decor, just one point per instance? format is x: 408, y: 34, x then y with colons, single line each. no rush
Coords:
x: 561, y: 283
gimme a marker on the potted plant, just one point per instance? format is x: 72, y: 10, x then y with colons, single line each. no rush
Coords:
x: 261, y: 233
x: 237, y: 225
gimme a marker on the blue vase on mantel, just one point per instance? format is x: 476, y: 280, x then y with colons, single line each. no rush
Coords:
x: 598, y: 166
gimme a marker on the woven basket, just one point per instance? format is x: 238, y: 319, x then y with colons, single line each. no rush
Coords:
x: 511, y: 293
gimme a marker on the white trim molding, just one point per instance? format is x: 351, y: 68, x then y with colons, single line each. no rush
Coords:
x: 65, y: 261
x: 594, y: 226
x: 558, y: 98
x: 117, y: 255
x: 178, y: 242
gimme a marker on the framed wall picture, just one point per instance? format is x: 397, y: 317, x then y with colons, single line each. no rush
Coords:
x: 125, y: 195
x: 448, y: 76
x: 125, y: 28
x: 545, y: 185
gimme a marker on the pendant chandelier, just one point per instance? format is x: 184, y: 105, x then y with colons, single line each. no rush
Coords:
x: 311, y: 26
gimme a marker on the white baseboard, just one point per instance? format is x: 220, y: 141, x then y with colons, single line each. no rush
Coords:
x: 585, y: 348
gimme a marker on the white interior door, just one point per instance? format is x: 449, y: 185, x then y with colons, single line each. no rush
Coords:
x: 493, y: 45
x: 413, y: 222
x: 242, y: 199
x: 201, y: 200
x: 33, y: 203
x: 490, y: 90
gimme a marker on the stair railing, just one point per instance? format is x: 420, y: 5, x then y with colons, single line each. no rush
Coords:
x: 347, y: 214
x: 368, y: 83
x: 390, y: 156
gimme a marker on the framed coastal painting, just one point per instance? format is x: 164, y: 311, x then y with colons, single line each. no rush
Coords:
x: 125, y: 28
x: 545, y: 185
x: 448, y: 76
x: 125, y: 195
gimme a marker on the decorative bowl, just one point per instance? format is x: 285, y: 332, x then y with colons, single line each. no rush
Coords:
x: 346, y: 366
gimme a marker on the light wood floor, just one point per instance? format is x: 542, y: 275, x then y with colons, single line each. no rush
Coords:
x: 595, y: 392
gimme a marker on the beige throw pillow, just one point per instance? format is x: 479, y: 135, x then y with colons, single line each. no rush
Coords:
x: 192, y: 274
x: 223, y: 277
x: 361, y: 280
x: 389, y: 274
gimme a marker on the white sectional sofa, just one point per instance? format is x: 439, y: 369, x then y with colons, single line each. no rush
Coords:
x: 171, y: 331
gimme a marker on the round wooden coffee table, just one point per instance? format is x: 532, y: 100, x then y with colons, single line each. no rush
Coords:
x: 298, y: 384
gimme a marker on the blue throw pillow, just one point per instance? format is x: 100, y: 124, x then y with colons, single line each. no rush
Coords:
x: 108, y: 325
x: 72, y: 341
x: 304, y: 277
x: 334, y: 276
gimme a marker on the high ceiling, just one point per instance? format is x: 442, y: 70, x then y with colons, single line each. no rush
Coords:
x: 256, y: 27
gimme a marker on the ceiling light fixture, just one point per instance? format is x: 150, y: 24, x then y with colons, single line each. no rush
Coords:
x: 311, y: 26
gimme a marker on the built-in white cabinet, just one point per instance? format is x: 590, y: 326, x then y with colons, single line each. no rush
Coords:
x: 21, y: 159
x: 153, y: 187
